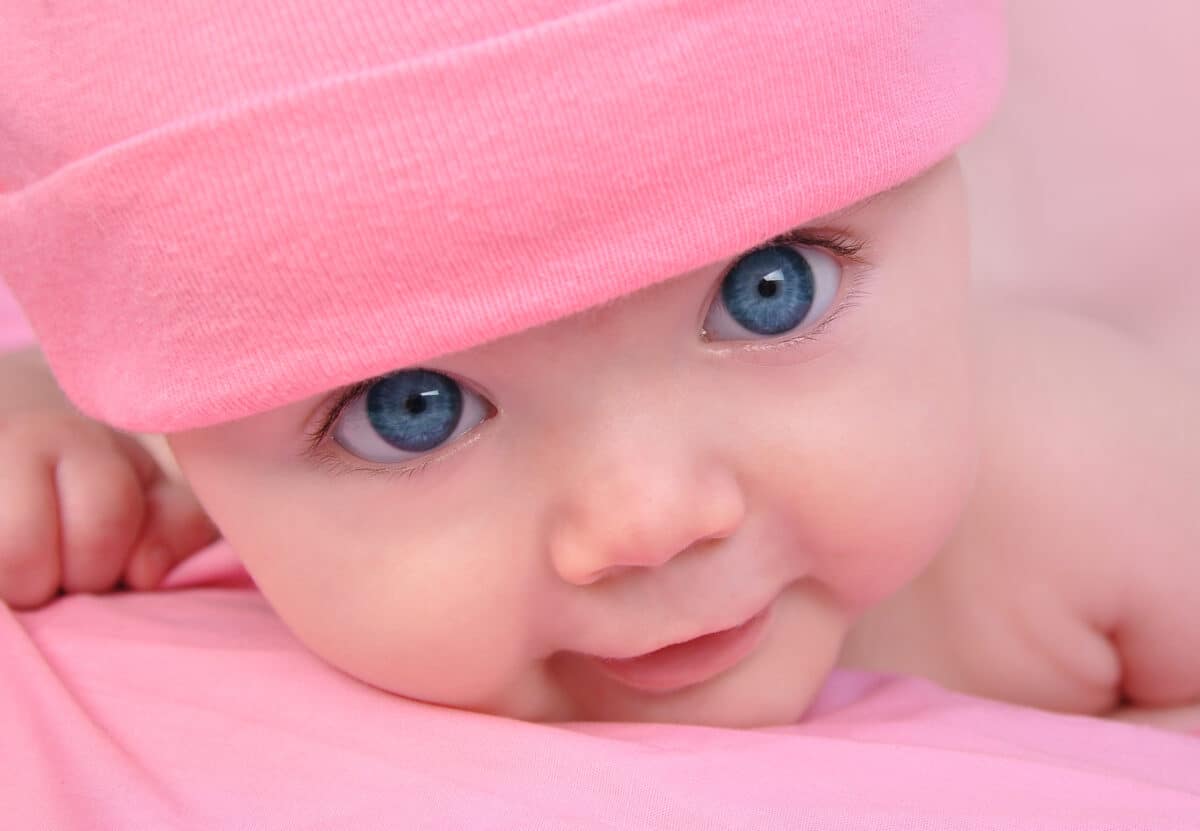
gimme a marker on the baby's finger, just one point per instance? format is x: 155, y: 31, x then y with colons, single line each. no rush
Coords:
x: 29, y: 567
x: 101, y: 508
x: 176, y: 527
x: 144, y: 464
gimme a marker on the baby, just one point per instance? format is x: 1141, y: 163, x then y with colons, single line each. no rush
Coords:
x: 661, y: 436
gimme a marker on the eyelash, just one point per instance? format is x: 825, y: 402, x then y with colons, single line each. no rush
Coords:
x: 836, y: 242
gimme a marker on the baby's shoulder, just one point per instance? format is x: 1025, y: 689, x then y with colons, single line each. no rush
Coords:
x: 1089, y: 451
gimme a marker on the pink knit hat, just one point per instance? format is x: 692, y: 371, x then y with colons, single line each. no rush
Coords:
x: 209, y: 209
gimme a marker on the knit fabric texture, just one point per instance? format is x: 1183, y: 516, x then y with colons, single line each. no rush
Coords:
x: 210, y: 209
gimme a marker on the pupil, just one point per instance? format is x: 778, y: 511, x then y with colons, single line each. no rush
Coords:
x: 767, y: 288
x: 415, y: 404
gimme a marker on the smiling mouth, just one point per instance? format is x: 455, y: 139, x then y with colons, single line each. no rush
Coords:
x: 688, y: 663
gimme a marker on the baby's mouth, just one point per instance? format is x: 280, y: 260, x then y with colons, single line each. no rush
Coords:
x: 691, y: 662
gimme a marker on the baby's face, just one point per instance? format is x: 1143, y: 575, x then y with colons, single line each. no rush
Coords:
x: 773, y: 443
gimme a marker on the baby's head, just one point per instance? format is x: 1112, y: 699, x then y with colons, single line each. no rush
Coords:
x: 783, y: 433
x: 643, y: 388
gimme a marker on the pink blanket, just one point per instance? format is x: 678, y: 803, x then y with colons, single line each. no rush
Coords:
x: 194, y: 708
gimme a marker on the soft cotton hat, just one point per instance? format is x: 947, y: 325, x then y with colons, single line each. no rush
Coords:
x: 209, y: 209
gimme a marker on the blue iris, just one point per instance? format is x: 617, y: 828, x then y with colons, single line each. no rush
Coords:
x: 414, y: 410
x: 770, y: 290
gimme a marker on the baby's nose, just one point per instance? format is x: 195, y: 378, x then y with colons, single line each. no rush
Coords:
x: 640, y: 515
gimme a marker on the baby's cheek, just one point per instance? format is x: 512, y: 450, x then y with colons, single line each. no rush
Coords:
x: 890, y: 474
x: 387, y: 579
x: 911, y: 506
x: 905, y: 530
x: 435, y: 617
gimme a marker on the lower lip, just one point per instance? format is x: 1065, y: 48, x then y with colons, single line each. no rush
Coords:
x: 689, y: 663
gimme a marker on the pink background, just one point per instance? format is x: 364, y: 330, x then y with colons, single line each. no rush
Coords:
x: 1086, y: 186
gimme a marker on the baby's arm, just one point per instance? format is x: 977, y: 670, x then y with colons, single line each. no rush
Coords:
x: 83, y: 507
x: 1096, y: 472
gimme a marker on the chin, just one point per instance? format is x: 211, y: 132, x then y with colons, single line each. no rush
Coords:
x: 736, y: 702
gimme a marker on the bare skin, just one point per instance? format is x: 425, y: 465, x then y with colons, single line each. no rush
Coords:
x: 992, y: 495
x: 1073, y: 581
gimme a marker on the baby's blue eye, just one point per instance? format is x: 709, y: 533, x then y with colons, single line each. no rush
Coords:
x: 773, y: 290
x: 406, y: 414
x: 414, y: 410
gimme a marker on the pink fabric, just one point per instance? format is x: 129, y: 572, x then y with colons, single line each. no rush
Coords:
x: 196, y: 709
x: 211, y: 209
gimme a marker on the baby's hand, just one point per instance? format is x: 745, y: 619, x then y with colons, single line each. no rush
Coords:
x: 83, y: 507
